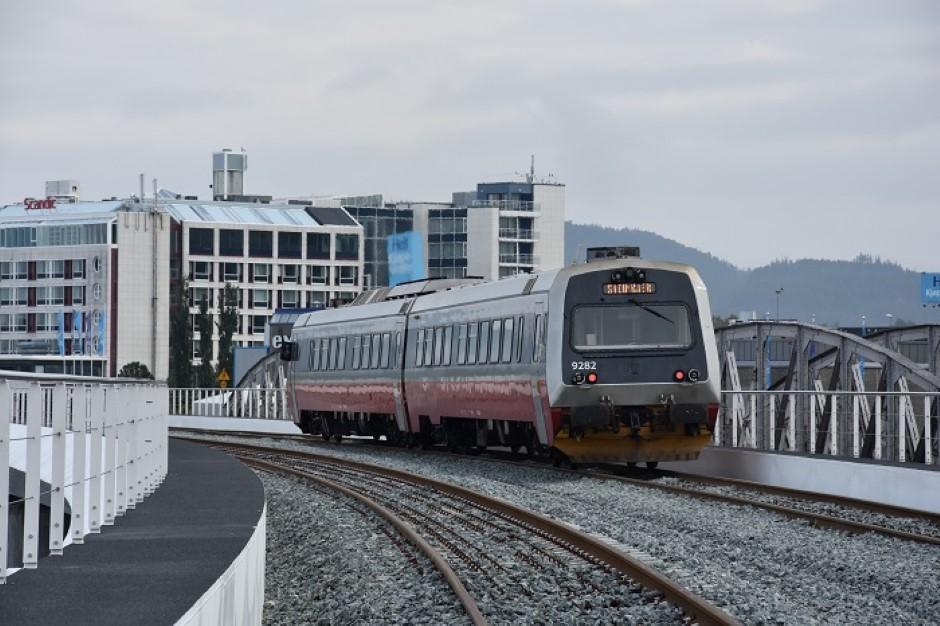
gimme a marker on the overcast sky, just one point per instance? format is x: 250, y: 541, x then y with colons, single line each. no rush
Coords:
x: 753, y: 130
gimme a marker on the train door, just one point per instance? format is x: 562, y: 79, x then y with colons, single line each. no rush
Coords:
x: 401, y: 347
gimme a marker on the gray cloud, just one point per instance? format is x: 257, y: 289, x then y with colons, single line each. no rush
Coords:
x: 754, y: 130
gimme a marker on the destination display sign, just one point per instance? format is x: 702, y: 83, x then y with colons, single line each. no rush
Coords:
x: 623, y: 289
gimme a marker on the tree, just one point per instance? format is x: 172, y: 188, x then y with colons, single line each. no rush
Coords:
x: 181, y: 338
x: 135, y: 369
x: 204, y: 374
x: 228, y: 326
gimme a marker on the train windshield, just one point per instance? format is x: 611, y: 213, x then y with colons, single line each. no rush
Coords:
x: 634, y: 326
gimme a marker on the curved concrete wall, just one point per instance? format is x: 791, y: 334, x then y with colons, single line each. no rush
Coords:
x: 237, y: 597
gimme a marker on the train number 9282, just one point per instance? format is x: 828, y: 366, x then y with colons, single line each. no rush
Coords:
x: 584, y: 365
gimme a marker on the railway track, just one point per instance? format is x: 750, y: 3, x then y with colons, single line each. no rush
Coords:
x: 822, y: 510
x: 492, y: 552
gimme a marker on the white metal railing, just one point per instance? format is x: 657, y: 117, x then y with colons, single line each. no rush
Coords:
x: 898, y: 426
x: 258, y: 402
x: 105, y: 442
x: 507, y: 205
x: 517, y: 233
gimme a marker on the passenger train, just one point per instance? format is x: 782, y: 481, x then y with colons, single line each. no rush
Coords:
x: 609, y: 360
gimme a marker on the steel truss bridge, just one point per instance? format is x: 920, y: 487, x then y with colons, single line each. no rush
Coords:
x: 797, y: 387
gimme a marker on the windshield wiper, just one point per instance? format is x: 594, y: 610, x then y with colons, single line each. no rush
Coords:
x: 636, y: 302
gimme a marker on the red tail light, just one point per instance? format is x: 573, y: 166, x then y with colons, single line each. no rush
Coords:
x: 678, y: 376
x: 592, y: 377
x: 712, y: 416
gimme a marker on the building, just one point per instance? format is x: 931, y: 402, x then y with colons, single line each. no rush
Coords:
x: 83, y: 286
x: 278, y: 256
x: 495, y: 231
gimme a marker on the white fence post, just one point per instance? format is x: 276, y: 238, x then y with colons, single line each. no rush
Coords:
x: 31, y: 494
x: 96, y: 419
x: 79, y: 416
x: 834, y: 427
x: 120, y: 452
x: 928, y: 442
x: 57, y: 484
x: 877, y: 451
x: 855, y: 409
x: 5, y: 405
x: 812, y: 424
x: 113, y: 398
x: 772, y: 426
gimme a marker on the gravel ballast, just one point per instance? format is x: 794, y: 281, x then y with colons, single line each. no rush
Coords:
x: 330, y: 560
x: 758, y: 565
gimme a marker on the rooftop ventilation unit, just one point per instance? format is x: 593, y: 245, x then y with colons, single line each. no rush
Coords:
x: 609, y: 253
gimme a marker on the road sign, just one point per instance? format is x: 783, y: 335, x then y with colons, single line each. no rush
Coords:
x: 929, y: 289
x: 223, y: 379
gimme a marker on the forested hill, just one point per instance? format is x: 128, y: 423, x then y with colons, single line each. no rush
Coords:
x: 837, y: 292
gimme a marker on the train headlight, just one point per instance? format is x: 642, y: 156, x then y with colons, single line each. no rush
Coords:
x: 678, y: 376
x: 577, y: 378
x: 694, y: 376
x: 592, y: 378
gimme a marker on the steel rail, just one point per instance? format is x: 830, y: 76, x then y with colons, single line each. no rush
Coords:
x: 694, y: 606
x: 404, y: 529
x: 817, y: 519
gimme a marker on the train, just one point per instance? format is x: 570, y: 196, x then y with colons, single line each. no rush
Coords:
x: 609, y: 360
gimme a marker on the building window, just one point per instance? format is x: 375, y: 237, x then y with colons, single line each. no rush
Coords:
x: 50, y: 269
x: 318, y: 274
x: 261, y: 272
x: 288, y: 245
x: 289, y: 274
x: 202, y: 241
x: 78, y: 268
x: 78, y: 295
x: 346, y: 275
x: 290, y: 299
x: 231, y: 242
x: 200, y: 270
x: 19, y: 322
x: 316, y: 299
x: 199, y: 294
x: 347, y: 247
x: 318, y: 245
x: 50, y: 295
x: 46, y: 322
x: 260, y: 243
x: 232, y: 272
x: 260, y: 299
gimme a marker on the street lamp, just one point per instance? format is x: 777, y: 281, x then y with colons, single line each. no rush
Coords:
x: 778, y: 292
x: 864, y: 332
x: 890, y: 317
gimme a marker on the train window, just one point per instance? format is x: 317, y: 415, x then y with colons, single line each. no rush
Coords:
x: 495, y: 336
x: 448, y: 344
x: 428, y: 347
x: 472, y: 334
x: 537, y: 338
x: 376, y: 350
x: 507, y: 339
x: 419, y: 353
x: 438, y: 344
x: 356, y: 341
x: 484, y: 340
x: 310, y: 356
x: 342, y: 353
x: 386, y: 349
x: 631, y: 327
x: 520, y: 327
x: 366, y: 351
x: 334, y: 352
x: 325, y: 354
x: 461, y: 344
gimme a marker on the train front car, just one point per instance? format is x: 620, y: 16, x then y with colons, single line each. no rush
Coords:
x: 633, y: 370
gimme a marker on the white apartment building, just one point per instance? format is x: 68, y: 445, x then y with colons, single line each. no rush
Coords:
x: 278, y: 256
x: 83, y: 286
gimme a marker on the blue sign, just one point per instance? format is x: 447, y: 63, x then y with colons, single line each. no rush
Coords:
x: 60, y: 337
x: 930, y: 288
x: 405, y: 258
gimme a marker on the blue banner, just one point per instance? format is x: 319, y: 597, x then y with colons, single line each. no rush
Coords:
x: 405, y: 258
x: 77, y: 328
x: 929, y: 288
x: 99, y: 344
x: 61, y: 336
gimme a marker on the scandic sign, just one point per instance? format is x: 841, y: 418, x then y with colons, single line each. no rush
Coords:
x: 48, y: 203
x: 930, y: 288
